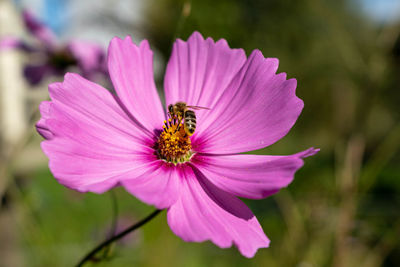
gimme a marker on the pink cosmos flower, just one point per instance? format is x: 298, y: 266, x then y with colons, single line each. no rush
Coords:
x: 96, y: 140
x: 50, y: 58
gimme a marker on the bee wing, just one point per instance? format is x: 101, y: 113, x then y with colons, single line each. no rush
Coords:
x: 197, y: 107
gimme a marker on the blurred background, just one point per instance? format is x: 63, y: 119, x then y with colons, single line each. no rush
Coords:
x: 343, y: 208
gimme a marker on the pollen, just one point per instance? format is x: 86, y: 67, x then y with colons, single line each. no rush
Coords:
x: 173, y: 144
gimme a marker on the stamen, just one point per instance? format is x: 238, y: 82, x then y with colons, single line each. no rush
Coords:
x: 173, y: 144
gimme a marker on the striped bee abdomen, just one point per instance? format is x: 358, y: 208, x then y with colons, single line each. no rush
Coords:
x: 190, y: 122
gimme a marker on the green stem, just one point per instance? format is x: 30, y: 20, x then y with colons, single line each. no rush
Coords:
x: 116, y: 237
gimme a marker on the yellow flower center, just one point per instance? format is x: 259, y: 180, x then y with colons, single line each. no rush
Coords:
x: 173, y: 144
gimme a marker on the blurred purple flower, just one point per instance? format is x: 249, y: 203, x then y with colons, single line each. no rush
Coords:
x: 49, y: 57
x: 96, y: 140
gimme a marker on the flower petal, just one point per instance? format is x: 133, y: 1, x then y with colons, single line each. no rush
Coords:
x: 38, y: 29
x: 34, y: 74
x: 257, y: 109
x: 10, y: 42
x: 204, y: 212
x: 85, y: 169
x: 251, y: 176
x: 92, y: 142
x: 131, y: 72
x: 90, y: 57
x: 248, y: 101
x: 200, y: 70
x: 41, y: 126
x: 158, y: 186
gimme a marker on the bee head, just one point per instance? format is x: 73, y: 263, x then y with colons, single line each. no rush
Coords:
x: 170, y: 108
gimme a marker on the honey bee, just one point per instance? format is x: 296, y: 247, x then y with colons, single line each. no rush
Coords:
x: 182, y: 111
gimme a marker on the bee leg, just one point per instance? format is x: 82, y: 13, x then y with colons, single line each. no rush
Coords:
x: 179, y: 124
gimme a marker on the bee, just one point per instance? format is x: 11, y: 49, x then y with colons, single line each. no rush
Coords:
x: 182, y: 111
